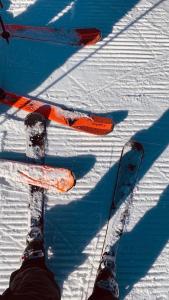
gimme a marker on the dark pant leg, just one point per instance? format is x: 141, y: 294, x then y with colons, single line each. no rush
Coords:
x: 33, y: 263
x: 39, y: 262
x: 102, y: 294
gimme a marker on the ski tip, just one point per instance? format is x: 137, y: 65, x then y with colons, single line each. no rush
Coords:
x: 32, y: 118
x: 94, y: 124
x: 137, y: 146
x: 66, y: 184
x: 89, y: 36
x: 50, y: 178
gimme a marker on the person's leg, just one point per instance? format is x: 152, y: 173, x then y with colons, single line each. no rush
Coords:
x: 106, y: 287
x: 31, y: 250
x: 38, y: 263
x: 33, y: 278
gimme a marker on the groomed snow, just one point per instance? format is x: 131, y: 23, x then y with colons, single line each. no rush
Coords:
x: 126, y: 77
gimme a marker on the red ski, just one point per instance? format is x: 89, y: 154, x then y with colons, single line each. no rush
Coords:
x: 79, y: 121
x: 73, y: 37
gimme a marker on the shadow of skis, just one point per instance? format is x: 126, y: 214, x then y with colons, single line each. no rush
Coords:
x: 39, y: 60
x: 155, y: 140
x: 70, y: 228
x: 146, y: 241
x: 79, y: 165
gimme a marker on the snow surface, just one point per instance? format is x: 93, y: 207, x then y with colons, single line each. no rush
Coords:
x: 126, y: 77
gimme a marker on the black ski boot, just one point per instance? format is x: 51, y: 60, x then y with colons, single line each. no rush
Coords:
x: 35, y: 245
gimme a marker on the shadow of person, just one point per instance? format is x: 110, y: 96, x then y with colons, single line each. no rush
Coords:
x: 31, y: 63
x: 70, y: 228
x: 144, y: 244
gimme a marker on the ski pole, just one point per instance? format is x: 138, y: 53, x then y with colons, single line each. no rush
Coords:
x: 5, y: 34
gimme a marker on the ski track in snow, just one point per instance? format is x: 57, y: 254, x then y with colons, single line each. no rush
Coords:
x: 125, y: 76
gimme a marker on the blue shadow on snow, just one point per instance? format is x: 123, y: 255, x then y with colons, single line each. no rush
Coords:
x: 63, y: 221
x: 41, y: 59
x: 79, y: 165
x: 145, y: 243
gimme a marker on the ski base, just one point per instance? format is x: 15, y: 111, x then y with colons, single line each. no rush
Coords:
x: 129, y: 165
x: 35, y: 126
x: 79, y: 121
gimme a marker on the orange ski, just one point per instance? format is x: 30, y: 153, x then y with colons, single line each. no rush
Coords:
x: 56, y: 179
x: 79, y: 121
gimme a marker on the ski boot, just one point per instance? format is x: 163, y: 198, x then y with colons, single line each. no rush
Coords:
x: 35, y: 244
x: 106, y: 287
